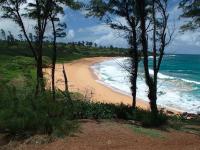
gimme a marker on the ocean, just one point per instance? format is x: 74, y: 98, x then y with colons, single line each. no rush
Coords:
x: 178, y: 80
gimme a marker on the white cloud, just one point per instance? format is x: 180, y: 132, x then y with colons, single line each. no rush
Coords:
x: 102, y: 34
x: 111, y: 39
x: 187, y: 42
x: 9, y: 25
x: 71, y: 34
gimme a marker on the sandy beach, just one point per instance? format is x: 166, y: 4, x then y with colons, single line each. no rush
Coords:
x: 82, y: 79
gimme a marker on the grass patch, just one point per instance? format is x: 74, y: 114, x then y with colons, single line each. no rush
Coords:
x: 146, y: 131
x: 185, y: 125
x: 12, y: 67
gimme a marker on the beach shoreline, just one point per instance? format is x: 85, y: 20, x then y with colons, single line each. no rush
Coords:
x: 84, y: 80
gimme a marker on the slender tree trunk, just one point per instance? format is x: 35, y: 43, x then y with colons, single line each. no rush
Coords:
x: 134, y: 63
x: 41, y: 28
x: 153, y: 99
x: 66, y: 84
x: 133, y: 80
x: 53, y: 59
x: 152, y: 95
x: 65, y: 80
x: 40, y: 87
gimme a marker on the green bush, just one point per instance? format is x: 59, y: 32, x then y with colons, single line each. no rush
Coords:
x: 23, y: 113
x: 88, y: 110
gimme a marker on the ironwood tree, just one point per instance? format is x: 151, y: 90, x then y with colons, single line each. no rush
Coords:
x: 153, y: 13
x: 58, y: 30
x: 12, y: 9
x: 126, y: 9
x: 41, y: 12
x: 190, y: 11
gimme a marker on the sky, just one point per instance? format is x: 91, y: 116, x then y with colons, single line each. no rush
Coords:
x: 92, y: 29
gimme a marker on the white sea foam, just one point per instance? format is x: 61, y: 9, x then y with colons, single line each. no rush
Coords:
x: 160, y: 75
x: 163, y: 76
x: 190, y: 81
x: 151, y: 57
x: 172, y: 92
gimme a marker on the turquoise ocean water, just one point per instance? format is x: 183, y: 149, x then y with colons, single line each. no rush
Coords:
x: 178, y: 80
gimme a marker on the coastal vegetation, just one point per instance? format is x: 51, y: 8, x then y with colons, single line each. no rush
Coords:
x: 128, y: 11
x: 23, y: 113
x: 145, y: 19
x: 29, y: 106
x: 190, y: 12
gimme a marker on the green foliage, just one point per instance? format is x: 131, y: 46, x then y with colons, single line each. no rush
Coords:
x: 145, y: 131
x: 125, y: 9
x: 191, y: 10
x: 12, y: 68
x: 183, y: 124
x: 22, y: 113
x: 19, y: 62
x: 46, y: 61
x: 88, y: 110
x: 65, y: 52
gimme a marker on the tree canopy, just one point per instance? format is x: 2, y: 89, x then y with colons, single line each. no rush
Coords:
x: 191, y: 11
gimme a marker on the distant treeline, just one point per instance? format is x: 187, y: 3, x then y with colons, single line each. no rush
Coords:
x: 9, y: 37
x: 66, y: 51
x: 15, y: 46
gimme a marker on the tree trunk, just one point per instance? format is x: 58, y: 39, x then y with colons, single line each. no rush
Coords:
x: 40, y: 79
x: 53, y: 59
x: 40, y: 87
x: 149, y: 80
x: 133, y: 80
x: 134, y: 63
x: 65, y: 80
x: 153, y: 99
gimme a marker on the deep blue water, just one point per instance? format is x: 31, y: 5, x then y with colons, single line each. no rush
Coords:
x: 182, y: 66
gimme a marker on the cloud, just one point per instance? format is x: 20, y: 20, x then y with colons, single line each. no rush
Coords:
x: 71, y: 34
x: 184, y: 43
x: 9, y: 25
x: 112, y: 39
x: 103, y: 35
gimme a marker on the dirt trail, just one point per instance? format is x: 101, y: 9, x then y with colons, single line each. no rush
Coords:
x: 118, y: 136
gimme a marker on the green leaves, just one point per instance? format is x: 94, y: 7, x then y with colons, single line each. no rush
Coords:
x: 191, y: 10
x: 60, y: 31
x: 97, y: 8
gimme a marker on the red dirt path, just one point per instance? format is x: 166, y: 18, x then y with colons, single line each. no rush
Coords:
x: 117, y: 136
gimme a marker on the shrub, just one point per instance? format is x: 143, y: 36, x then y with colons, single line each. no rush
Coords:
x: 89, y: 110
x: 22, y: 113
